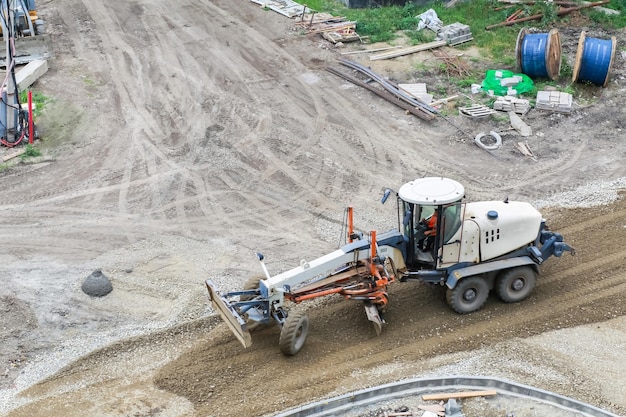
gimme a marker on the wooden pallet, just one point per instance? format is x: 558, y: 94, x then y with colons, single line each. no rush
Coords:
x: 476, y: 111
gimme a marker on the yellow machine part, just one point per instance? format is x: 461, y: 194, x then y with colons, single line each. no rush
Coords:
x: 32, y: 15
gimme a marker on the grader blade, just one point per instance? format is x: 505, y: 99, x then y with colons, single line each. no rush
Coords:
x: 373, y: 316
x: 231, y: 317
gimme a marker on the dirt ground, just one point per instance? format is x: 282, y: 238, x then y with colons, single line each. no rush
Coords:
x: 184, y: 136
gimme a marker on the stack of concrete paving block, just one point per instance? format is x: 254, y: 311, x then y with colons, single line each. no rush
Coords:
x: 455, y: 33
x: 510, y: 103
x: 554, y: 101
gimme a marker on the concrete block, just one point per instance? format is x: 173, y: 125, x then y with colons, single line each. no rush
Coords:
x: 518, y: 124
x: 30, y: 73
x: 511, y: 103
x: 455, y: 33
x: 505, y: 82
x: 554, y: 101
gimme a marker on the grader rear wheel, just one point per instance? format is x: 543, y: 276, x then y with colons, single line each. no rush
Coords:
x: 516, y: 284
x: 469, y: 294
x: 293, y: 333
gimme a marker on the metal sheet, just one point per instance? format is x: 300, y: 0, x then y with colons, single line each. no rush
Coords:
x: 29, y: 48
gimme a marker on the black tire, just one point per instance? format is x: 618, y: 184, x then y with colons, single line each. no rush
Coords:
x: 251, y: 284
x: 516, y: 284
x: 294, y: 332
x: 469, y: 295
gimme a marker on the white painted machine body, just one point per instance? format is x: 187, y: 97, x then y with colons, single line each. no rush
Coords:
x: 491, y: 229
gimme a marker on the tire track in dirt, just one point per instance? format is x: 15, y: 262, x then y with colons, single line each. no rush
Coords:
x: 515, y: 183
x: 107, y: 155
x: 277, y: 163
x: 587, y: 267
x: 144, y: 127
x: 76, y: 37
x: 264, y: 123
x: 284, y: 168
x: 593, y: 221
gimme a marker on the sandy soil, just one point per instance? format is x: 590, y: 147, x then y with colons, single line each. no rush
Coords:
x: 183, y: 136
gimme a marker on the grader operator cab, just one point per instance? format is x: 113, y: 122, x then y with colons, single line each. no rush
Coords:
x: 470, y: 248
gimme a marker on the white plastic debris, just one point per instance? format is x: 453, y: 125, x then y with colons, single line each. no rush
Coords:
x: 430, y: 20
x: 453, y: 409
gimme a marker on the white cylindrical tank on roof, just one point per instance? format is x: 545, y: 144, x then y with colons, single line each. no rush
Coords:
x: 432, y: 191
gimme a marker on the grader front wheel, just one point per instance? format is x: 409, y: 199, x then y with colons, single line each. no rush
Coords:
x: 293, y: 333
x: 251, y: 284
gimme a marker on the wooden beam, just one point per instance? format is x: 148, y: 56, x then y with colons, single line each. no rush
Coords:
x: 409, y: 50
x: 463, y: 394
x: 364, y: 51
x: 13, y: 155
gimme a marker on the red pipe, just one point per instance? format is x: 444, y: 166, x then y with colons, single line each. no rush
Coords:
x: 350, y: 223
x: 311, y: 295
x: 30, y: 117
x: 560, y: 12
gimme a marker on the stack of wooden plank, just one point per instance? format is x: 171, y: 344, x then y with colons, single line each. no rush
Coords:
x: 332, y: 28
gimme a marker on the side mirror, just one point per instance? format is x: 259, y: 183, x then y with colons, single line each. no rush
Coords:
x: 385, y: 196
x: 407, y: 217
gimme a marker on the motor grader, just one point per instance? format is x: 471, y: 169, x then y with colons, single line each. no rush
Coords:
x: 474, y: 247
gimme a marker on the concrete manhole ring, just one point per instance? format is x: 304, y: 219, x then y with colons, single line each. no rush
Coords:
x: 496, y: 142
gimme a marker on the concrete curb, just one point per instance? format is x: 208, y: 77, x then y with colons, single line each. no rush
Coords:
x: 396, y: 390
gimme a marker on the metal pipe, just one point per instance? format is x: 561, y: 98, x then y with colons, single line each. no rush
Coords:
x: 350, y: 223
x: 31, y: 122
x: 560, y: 12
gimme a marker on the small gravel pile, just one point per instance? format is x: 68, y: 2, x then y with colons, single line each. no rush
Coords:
x: 594, y: 194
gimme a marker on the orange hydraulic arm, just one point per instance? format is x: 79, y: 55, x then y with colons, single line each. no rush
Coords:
x: 350, y: 223
x: 363, y: 282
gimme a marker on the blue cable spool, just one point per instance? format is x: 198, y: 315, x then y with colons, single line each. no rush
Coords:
x: 594, y: 58
x: 539, y: 54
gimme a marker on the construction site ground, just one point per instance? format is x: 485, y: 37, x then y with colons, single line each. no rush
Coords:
x: 183, y: 136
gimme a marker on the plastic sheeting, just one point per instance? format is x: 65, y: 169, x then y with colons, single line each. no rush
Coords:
x: 504, y: 82
x: 430, y: 20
